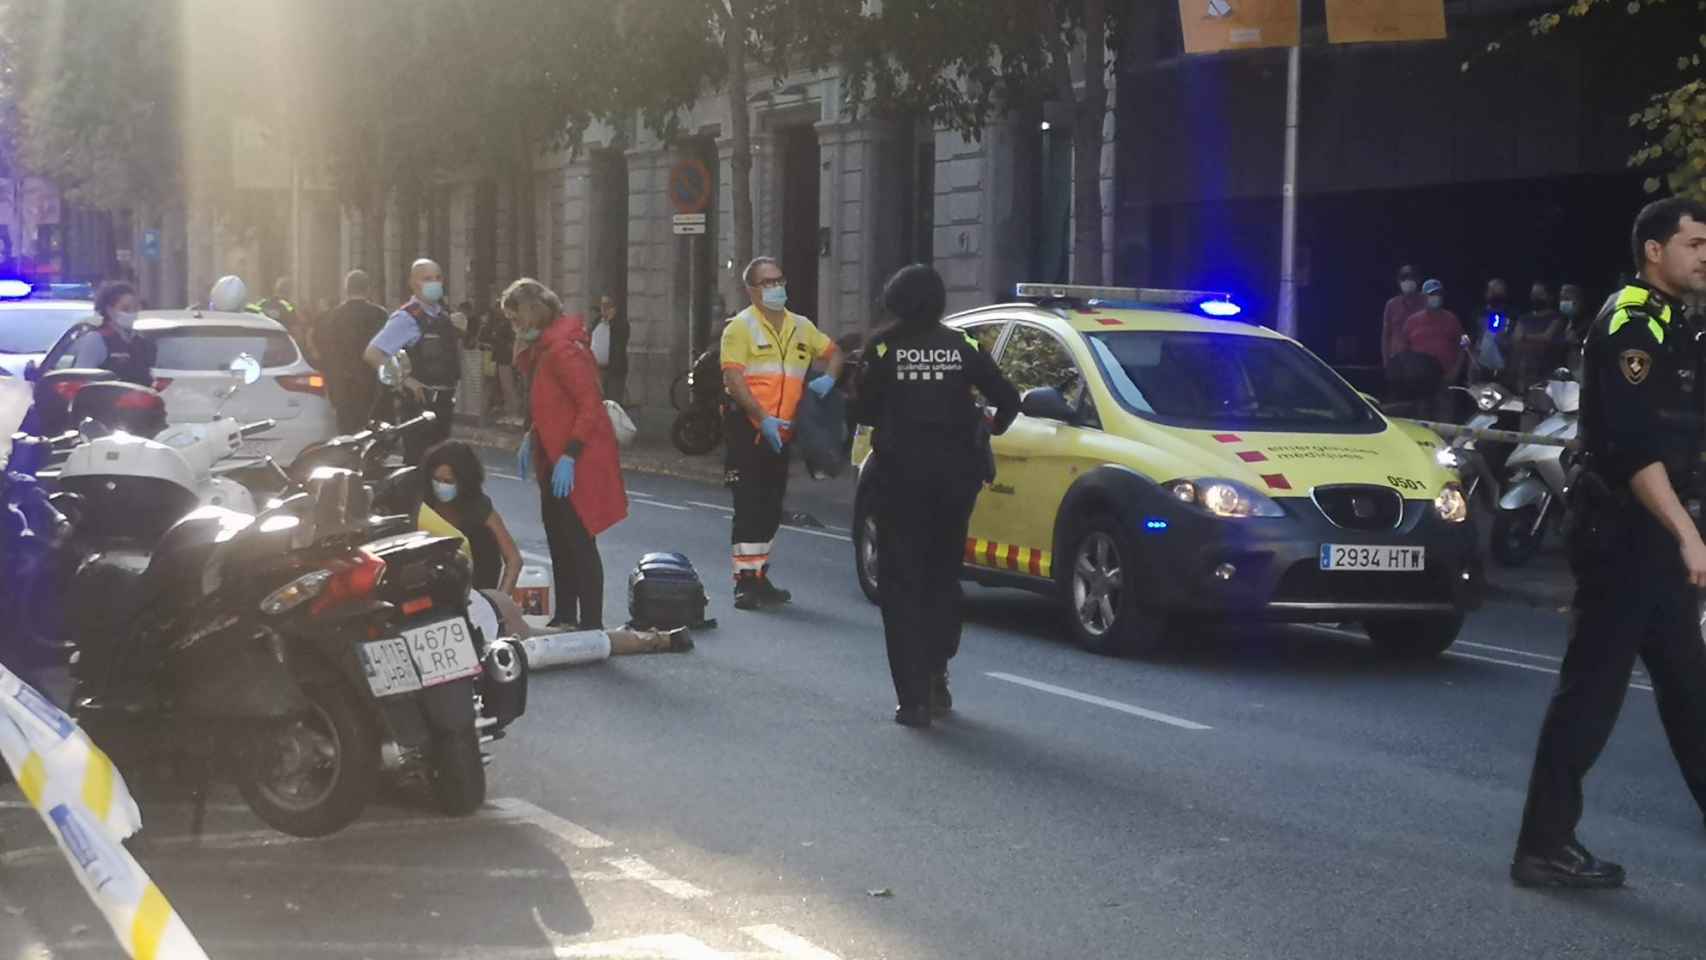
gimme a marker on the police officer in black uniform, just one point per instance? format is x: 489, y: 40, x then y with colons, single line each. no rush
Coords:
x: 424, y: 327
x: 917, y: 393
x: 1637, y: 555
x: 115, y: 345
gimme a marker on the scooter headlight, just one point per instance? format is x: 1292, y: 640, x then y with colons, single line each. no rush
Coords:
x: 1451, y: 505
x: 295, y: 593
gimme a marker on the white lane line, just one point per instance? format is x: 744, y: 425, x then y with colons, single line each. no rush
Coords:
x: 1527, y: 666
x: 712, y: 506
x: 655, y: 503
x: 503, y: 476
x: 668, y: 946
x: 790, y: 945
x: 818, y: 533
x: 635, y: 868
x: 573, y: 834
x: 1510, y: 650
x: 1091, y: 698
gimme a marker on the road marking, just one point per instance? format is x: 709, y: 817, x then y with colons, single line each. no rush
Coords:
x: 712, y: 506
x: 1353, y: 635
x: 818, y: 533
x: 1091, y: 698
x: 503, y: 476
x: 571, y: 833
x: 635, y: 868
x: 1511, y: 650
x: 1527, y: 666
x: 655, y: 503
x: 790, y: 945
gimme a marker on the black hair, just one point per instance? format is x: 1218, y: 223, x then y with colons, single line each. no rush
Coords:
x: 109, y: 295
x: 357, y: 283
x: 917, y: 298
x: 1660, y: 220
x: 462, y: 461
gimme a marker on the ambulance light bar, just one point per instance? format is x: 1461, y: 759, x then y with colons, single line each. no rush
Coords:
x: 1212, y: 303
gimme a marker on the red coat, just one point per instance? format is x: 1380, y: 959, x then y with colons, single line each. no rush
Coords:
x: 568, y: 406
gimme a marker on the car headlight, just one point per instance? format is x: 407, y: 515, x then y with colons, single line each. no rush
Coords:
x: 295, y: 593
x: 1225, y: 498
x: 1451, y: 505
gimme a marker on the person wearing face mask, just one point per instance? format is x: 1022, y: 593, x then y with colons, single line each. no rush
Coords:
x: 767, y: 355
x: 1409, y: 302
x: 1537, y: 340
x: 115, y: 345
x: 425, y: 328
x: 1492, y: 333
x: 1436, y: 332
x: 456, y: 492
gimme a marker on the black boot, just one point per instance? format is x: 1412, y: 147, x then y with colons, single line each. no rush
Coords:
x: 941, y: 701
x: 1570, y: 865
x: 749, y: 591
x: 912, y: 716
x: 771, y: 593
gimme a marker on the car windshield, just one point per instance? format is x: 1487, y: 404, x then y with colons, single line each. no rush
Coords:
x: 1228, y: 381
x: 33, y: 329
x: 213, y: 348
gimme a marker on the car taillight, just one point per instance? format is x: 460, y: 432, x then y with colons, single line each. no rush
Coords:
x: 137, y: 400
x: 304, y: 383
x: 353, y: 580
x: 161, y: 383
x: 67, y: 390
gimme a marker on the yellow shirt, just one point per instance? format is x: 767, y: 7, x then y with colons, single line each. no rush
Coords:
x: 774, y: 361
x: 433, y: 522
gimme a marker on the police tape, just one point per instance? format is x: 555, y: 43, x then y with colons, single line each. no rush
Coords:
x: 1449, y: 430
x: 85, y: 804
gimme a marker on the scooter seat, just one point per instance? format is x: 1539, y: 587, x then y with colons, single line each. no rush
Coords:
x: 174, y: 574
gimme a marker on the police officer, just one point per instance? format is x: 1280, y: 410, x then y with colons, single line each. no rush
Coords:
x: 115, y: 345
x: 1637, y: 555
x: 426, y: 329
x: 917, y: 394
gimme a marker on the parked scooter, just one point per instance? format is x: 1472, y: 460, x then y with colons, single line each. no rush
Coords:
x: 1479, y: 463
x: 1535, y: 473
x: 699, y: 427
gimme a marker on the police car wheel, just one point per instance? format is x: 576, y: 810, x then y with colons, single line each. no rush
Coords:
x: 1416, y: 638
x: 865, y: 547
x: 1101, y: 590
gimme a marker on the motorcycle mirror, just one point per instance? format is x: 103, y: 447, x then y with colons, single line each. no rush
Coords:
x: 395, y: 369
x: 246, y: 368
x: 1563, y: 373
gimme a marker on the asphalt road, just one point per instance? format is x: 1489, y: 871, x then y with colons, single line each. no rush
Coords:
x: 1268, y: 793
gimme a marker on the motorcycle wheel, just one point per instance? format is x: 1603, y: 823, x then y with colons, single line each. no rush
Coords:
x: 1515, y: 541
x: 696, y: 433
x: 312, y: 776
x: 680, y: 393
x: 458, y: 774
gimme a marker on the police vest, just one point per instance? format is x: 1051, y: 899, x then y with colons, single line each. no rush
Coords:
x: 437, y: 357
x: 129, y: 358
x: 929, y: 392
x: 1662, y: 358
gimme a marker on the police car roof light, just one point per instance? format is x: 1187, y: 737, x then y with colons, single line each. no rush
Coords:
x: 1145, y: 296
x: 15, y: 289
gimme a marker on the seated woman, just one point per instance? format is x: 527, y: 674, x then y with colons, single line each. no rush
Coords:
x: 456, y: 492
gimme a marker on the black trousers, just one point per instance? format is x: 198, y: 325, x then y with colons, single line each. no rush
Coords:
x: 353, y: 402
x: 921, y: 542
x: 577, y: 573
x: 443, y: 405
x: 758, y: 478
x: 1631, y: 600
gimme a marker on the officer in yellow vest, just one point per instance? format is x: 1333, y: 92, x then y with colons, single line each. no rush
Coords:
x: 767, y: 354
x: 1637, y: 554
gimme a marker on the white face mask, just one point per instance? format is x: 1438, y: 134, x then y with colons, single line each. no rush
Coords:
x: 432, y: 291
x: 1407, y: 286
x: 445, y: 492
x: 124, y: 321
x: 1434, y: 303
x: 1567, y: 307
x: 775, y: 297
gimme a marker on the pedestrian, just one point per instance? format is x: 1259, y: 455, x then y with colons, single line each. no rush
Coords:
x: 614, y: 361
x: 571, y: 449
x: 767, y: 352
x: 343, y: 334
x: 1636, y: 553
x: 1537, y: 340
x: 115, y: 345
x: 423, y: 327
x: 1408, y: 302
x: 1436, y: 332
x: 1576, y: 323
x: 916, y: 392
x: 457, y: 492
x: 1492, y: 333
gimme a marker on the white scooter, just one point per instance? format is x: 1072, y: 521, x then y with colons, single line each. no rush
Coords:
x: 177, y: 469
x: 1534, y: 483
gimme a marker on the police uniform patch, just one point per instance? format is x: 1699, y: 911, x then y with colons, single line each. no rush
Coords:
x: 1635, y: 364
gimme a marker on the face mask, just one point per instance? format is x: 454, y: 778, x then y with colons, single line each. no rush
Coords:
x: 775, y: 297
x: 124, y: 321
x: 1407, y: 286
x: 1567, y: 306
x: 1434, y: 303
x: 445, y: 492
x: 432, y: 291
x: 528, y: 336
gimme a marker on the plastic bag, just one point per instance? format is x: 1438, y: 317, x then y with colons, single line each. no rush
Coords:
x: 621, y: 423
x: 601, y: 345
x: 820, y: 433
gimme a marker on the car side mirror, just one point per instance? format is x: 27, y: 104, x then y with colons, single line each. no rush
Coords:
x: 1046, y: 403
x: 395, y: 370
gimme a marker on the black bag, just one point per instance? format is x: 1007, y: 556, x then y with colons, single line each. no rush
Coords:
x: 665, y: 593
x: 820, y: 433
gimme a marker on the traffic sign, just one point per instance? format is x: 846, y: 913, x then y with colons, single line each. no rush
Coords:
x: 689, y: 186
x: 151, y: 244
x: 689, y: 229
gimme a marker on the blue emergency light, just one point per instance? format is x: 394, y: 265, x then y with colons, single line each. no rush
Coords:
x: 1155, y: 525
x: 1208, y: 302
x: 1496, y: 321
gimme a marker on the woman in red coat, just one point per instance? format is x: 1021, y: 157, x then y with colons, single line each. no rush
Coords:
x: 572, y: 449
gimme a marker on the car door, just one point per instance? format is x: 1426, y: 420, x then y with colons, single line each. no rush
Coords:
x: 986, y: 514
x: 1036, y: 460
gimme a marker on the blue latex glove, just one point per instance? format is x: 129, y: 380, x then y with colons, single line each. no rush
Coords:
x: 563, y: 476
x: 772, y: 428
x: 822, y: 385
x: 524, y: 457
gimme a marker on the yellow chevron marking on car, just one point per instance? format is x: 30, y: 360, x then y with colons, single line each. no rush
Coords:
x: 1007, y: 556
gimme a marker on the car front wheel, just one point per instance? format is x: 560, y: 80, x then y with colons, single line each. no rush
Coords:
x: 865, y: 547
x: 1101, y: 592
